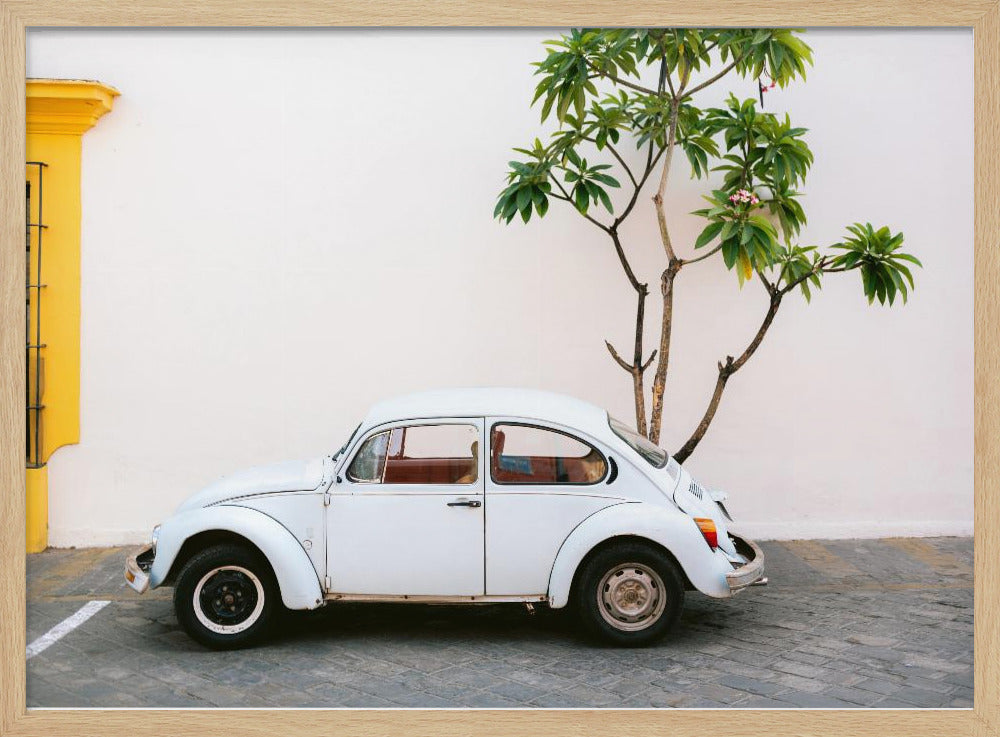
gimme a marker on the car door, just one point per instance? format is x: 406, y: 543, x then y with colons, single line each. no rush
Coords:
x: 407, y: 516
x: 542, y: 481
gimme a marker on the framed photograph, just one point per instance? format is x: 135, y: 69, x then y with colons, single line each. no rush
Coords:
x: 638, y: 357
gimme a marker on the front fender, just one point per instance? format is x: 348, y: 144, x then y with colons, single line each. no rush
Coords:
x: 670, y: 528
x: 296, y: 576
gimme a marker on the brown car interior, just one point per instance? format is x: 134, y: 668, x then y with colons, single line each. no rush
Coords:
x: 505, y: 469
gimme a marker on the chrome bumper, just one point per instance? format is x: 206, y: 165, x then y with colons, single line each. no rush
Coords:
x: 137, y: 567
x: 750, y: 573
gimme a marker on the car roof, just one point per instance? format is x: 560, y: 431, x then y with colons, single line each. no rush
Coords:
x: 493, y: 402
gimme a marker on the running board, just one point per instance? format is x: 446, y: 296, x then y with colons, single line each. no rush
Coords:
x: 422, y: 599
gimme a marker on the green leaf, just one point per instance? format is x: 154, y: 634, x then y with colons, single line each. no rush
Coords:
x: 605, y: 200
x: 523, y: 198
x: 708, y: 234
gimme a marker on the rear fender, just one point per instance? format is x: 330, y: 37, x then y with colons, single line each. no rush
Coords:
x: 670, y: 528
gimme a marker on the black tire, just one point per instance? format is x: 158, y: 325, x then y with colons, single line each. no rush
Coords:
x: 642, y: 607
x: 226, y: 597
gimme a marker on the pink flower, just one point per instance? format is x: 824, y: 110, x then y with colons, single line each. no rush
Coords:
x: 743, y: 196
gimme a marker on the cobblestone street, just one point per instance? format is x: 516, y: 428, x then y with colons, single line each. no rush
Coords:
x: 846, y: 623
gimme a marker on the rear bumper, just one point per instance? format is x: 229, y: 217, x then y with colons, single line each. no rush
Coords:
x: 137, y: 567
x: 751, y: 572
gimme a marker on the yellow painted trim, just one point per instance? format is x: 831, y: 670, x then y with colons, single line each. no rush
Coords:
x: 37, y: 500
x: 59, y: 112
x: 66, y: 105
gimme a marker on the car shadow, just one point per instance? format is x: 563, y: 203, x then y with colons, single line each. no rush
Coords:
x: 511, y: 623
x: 349, y: 621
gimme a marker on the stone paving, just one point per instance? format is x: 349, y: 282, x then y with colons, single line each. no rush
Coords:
x: 846, y: 623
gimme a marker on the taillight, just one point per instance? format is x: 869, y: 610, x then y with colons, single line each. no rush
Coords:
x: 708, y: 531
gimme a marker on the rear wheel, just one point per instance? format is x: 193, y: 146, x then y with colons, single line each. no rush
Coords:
x: 226, y: 596
x: 629, y: 594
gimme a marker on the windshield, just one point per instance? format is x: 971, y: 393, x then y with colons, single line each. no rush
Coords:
x: 654, y: 454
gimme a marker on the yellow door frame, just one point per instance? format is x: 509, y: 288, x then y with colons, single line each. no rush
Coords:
x: 59, y: 112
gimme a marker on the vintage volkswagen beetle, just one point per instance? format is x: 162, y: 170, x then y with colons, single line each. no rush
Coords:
x: 463, y: 496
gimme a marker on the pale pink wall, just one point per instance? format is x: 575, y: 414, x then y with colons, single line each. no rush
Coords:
x: 281, y: 227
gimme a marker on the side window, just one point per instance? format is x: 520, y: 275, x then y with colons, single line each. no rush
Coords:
x: 523, y: 454
x: 419, y: 454
x: 369, y: 464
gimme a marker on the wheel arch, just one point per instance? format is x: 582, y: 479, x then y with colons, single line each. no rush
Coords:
x: 669, y: 530
x: 627, y: 538
x: 203, y: 540
x: 185, y: 534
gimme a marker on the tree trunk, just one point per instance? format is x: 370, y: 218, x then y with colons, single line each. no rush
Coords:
x: 666, y: 281
x: 666, y: 326
x: 640, y: 400
x: 638, y: 371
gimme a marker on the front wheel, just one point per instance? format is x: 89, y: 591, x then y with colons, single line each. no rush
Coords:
x: 225, y: 597
x: 629, y: 594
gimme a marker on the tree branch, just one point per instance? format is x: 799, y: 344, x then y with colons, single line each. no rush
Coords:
x: 618, y: 359
x: 633, y: 280
x: 685, y: 450
x: 772, y: 310
x: 704, y: 256
x: 816, y: 269
x: 636, y: 368
x: 565, y: 196
x: 767, y: 285
x: 670, y: 86
x: 618, y: 80
x: 665, y: 173
x: 651, y: 162
x: 617, y: 156
x: 726, y: 70
x: 727, y: 369
x: 640, y: 317
x: 648, y: 362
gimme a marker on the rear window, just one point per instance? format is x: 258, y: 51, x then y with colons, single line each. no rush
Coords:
x: 526, y: 454
x: 654, y: 454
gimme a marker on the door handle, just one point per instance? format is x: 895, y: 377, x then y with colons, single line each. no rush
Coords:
x: 471, y: 503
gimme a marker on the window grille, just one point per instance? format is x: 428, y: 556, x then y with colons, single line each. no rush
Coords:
x: 33, y: 359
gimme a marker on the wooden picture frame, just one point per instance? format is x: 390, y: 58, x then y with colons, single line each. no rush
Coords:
x: 983, y: 16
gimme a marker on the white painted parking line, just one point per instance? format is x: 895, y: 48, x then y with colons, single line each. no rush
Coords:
x: 62, y: 629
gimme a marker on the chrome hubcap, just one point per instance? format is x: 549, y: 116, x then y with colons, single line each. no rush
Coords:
x: 631, y: 597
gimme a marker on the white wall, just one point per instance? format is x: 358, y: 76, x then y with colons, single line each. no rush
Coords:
x: 280, y: 227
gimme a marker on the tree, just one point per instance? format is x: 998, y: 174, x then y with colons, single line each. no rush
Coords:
x: 753, y: 218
